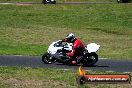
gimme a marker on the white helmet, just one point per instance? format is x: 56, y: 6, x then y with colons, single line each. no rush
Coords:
x: 70, y: 37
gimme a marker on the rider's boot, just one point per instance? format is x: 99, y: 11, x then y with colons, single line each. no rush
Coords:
x: 74, y: 62
x: 79, y: 59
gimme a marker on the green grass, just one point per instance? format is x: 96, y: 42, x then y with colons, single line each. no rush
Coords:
x: 17, y: 77
x: 29, y: 30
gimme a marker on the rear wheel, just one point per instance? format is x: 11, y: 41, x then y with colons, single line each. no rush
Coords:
x: 44, y: 2
x: 47, y: 59
x: 90, y: 59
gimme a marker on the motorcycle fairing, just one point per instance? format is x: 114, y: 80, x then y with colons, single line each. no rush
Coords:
x: 92, y: 47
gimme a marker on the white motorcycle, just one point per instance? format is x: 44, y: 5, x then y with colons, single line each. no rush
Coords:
x: 124, y: 1
x: 57, y: 53
x: 48, y: 1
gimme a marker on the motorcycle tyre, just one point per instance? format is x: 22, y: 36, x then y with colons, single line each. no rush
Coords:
x: 87, y: 62
x: 45, y: 58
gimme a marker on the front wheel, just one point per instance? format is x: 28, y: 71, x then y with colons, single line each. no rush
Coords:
x: 90, y: 59
x: 47, y: 59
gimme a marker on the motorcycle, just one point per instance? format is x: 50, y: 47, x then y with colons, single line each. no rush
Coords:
x: 48, y: 1
x: 124, y: 1
x: 57, y: 53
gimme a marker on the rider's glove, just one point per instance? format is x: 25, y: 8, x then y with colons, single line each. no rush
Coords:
x: 64, y: 40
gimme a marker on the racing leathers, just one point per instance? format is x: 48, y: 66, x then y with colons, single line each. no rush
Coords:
x: 77, y: 50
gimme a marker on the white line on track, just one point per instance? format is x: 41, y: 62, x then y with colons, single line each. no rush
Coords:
x: 17, y: 55
x: 110, y: 71
x: 127, y: 72
x: 7, y: 3
x: 24, y: 3
x: 103, y: 58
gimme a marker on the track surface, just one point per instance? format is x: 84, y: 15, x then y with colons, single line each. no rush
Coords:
x: 35, y: 62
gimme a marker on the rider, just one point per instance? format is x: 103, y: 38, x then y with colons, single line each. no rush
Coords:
x: 77, y: 48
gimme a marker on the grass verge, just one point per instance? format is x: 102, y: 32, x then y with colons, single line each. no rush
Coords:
x: 17, y: 77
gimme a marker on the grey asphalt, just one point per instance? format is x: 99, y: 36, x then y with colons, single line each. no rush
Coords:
x: 36, y: 62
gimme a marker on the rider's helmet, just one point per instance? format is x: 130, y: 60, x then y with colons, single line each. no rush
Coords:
x: 70, y: 37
